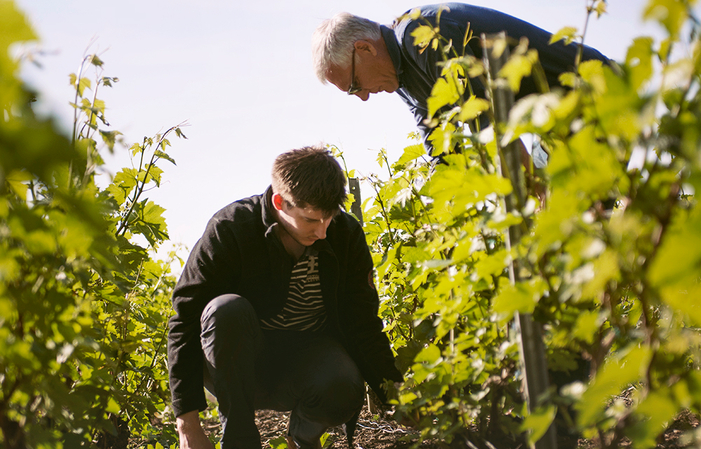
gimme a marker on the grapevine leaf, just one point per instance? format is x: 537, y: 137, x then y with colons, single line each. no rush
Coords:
x: 568, y: 34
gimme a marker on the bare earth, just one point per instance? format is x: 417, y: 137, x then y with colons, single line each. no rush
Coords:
x: 370, y: 433
x: 376, y: 432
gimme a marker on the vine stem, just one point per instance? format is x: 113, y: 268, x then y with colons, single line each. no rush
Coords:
x: 580, y: 48
x: 385, y: 216
x: 141, y: 184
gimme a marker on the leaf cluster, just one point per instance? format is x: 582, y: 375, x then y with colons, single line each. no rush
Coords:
x: 607, y: 265
x: 84, y: 304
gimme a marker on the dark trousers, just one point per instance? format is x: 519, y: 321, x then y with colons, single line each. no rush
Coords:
x: 248, y: 369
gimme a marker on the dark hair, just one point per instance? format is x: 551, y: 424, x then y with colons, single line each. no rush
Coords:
x: 310, y: 176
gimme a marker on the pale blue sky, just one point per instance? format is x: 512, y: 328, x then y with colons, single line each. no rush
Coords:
x: 240, y: 74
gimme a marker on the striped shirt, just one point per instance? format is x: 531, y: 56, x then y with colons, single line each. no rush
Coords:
x: 304, y: 309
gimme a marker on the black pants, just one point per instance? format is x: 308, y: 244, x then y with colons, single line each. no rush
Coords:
x: 249, y: 369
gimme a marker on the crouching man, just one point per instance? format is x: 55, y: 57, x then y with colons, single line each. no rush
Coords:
x: 276, y: 309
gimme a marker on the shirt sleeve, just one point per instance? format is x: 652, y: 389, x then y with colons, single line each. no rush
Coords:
x: 363, y: 324
x: 209, y: 272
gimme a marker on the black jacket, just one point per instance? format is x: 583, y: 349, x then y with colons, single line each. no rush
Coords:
x: 240, y: 253
x: 418, y: 70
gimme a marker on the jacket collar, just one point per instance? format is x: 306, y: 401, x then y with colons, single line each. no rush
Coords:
x: 268, y: 213
x: 390, y: 38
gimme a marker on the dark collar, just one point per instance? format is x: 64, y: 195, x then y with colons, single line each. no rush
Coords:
x: 393, y: 49
x: 267, y: 212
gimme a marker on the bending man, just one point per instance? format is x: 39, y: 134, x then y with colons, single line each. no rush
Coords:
x: 276, y: 309
x: 362, y: 57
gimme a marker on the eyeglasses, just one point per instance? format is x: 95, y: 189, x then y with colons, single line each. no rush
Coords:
x: 353, y: 88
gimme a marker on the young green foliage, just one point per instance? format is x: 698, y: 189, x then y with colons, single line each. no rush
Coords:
x: 83, y: 308
x: 612, y: 288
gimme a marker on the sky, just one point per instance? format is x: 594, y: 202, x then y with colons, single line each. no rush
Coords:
x: 240, y: 75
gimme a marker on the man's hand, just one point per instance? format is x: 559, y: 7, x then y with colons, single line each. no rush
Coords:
x: 191, y: 433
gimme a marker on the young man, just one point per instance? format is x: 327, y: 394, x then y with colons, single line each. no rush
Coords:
x: 362, y: 57
x: 276, y: 309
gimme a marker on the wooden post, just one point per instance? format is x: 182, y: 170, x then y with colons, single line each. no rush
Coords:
x: 354, y: 187
x: 496, y: 53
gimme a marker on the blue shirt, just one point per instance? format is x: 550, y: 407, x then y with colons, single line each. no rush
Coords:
x: 418, y: 71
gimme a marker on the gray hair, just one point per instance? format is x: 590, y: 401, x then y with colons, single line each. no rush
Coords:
x: 332, y: 42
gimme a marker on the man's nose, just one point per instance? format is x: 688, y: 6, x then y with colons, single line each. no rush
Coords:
x: 320, y: 230
x: 363, y: 95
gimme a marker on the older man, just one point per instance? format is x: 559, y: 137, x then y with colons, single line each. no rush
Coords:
x: 362, y: 57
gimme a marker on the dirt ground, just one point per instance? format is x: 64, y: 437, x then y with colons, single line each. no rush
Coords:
x: 370, y: 433
x: 375, y: 432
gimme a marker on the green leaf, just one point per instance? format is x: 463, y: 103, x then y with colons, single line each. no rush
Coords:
x: 164, y: 144
x: 444, y: 92
x: 656, y: 411
x: 17, y: 180
x: 606, y: 269
x: 136, y: 149
x: 423, y: 35
x: 40, y: 242
x: 122, y: 184
x: 154, y: 174
x: 681, y: 298
x: 568, y: 79
x: 521, y: 298
x: 411, y: 153
x: 441, y: 138
x: 326, y: 441
x: 587, y: 325
x: 622, y: 369
x: 112, y: 406
x: 278, y: 443
x: 593, y: 73
x: 518, y: 67
x: 15, y: 28
x: 500, y: 221
x: 639, y: 61
x: 492, y: 265
x: 430, y: 354
x: 165, y: 156
x: 455, y: 201
x: 110, y: 138
x: 678, y: 257
x: 538, y: 422
x: 98, y: 106
x: 95, y: 60
x: 82, y: 84
x: 600, y: 7
x: 568, y: 34
x: 669, y: 13
x: 473, y: 108
x: 150, y: 222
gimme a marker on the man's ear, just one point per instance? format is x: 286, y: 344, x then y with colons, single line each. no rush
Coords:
x: 365, y: 46
x: 277, y: 201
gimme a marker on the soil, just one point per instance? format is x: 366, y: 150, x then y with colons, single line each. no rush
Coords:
x: 376, y: 432
x: 371, y: 432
